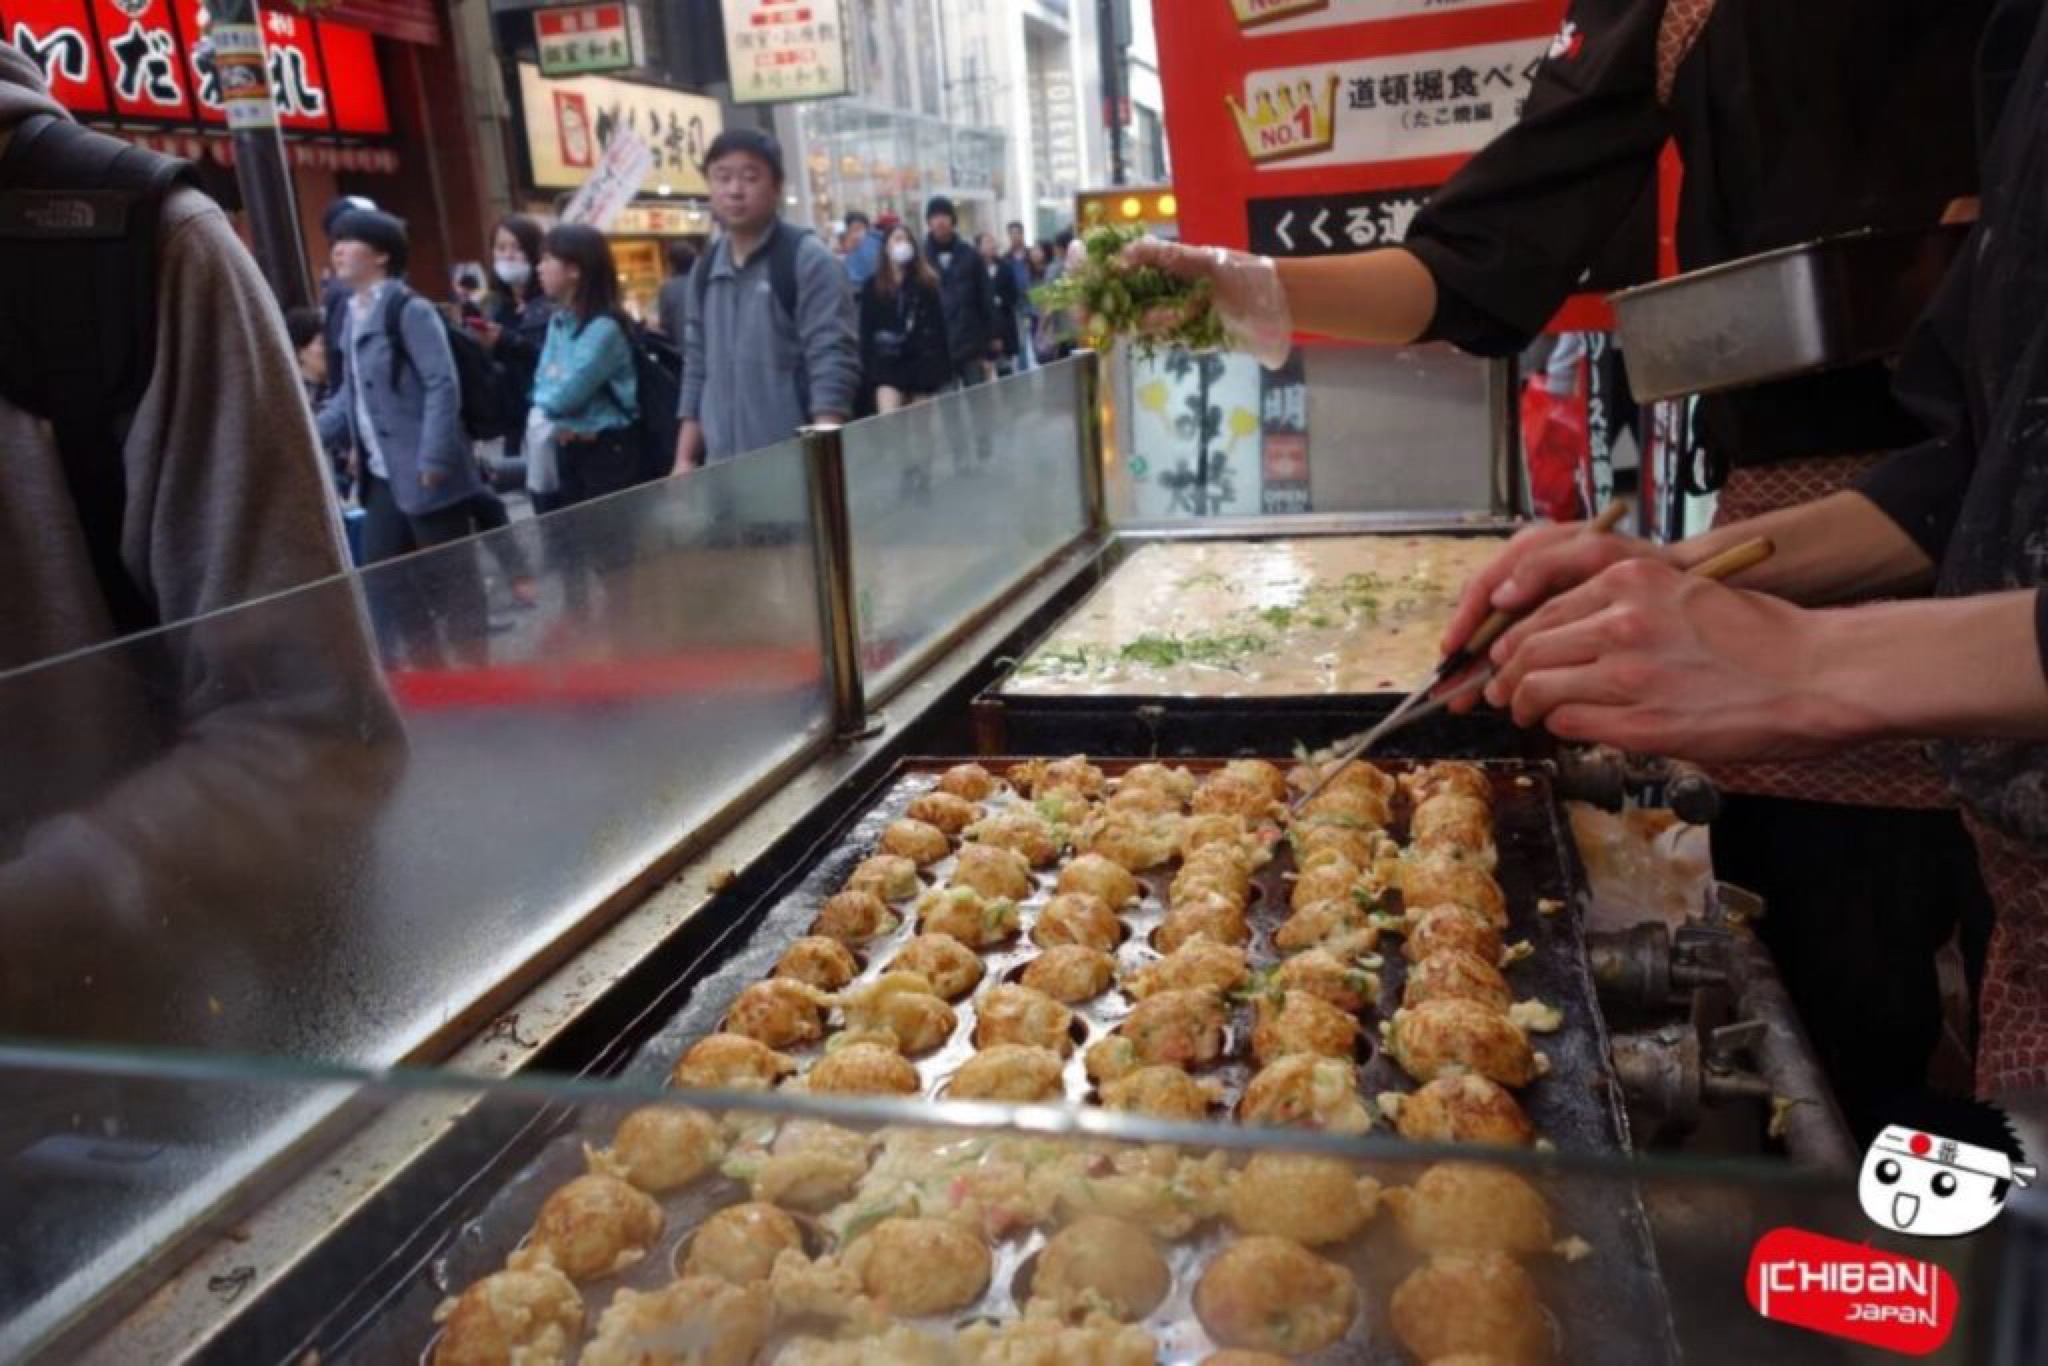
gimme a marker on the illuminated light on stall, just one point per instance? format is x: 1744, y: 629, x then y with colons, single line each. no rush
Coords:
x: 1132, y: 206
x: 1169, y: 205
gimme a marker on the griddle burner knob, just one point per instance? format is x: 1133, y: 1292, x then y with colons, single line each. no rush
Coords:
x: 1594, y: 774
x: 1692, y: 795
x: 1632, y: 967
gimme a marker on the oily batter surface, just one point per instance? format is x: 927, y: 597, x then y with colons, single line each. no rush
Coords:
x: 1313, y: 616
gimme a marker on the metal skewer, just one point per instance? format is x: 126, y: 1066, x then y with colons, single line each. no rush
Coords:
x: 1418, y: 705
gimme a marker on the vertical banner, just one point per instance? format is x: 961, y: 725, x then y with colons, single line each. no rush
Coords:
x: 1283, y: 438
x: 238, y: 68
x: 1325, y: 125
x: 621, y: 171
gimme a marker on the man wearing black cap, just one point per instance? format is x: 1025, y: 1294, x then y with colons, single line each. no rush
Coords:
x: 398, y: 400
x: 769, y: 341
x: 965, y: 292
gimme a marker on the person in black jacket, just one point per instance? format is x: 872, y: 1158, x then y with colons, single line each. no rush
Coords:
x: 964, y: 288
x: 903, y: 345
x: 1002, y: 284
x: 1778, y: 149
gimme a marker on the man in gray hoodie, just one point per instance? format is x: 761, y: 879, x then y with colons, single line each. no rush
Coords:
x: 770, y: 343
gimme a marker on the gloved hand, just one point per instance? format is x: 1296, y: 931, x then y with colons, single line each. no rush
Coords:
x: 1245, y: 293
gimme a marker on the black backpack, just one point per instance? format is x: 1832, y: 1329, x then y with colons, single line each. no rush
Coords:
x: 477, y: 375
x: 658, y: 375
x: 783, y: 243
x: 78, y: 310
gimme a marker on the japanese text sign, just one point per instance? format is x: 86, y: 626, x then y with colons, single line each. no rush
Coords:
x: 786, y: 50
x: 570, y: 122
x: 587, y: 38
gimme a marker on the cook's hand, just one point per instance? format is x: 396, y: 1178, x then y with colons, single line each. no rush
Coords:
x: 1539, y: 562
x: 1245, y: 292
x: 1646, y: 658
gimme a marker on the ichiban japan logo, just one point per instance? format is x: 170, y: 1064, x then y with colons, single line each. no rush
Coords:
x: 1288, y: 120
x: 1941, y: 1169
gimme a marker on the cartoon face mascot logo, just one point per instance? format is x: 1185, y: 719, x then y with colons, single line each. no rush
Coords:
x: 1942, y: 1167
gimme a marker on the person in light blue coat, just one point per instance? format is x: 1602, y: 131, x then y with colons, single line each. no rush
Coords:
x: 398, y: 403
x: 586, y: 386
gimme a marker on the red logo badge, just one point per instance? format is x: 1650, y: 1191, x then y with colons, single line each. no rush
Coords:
x: 1853, y: 1291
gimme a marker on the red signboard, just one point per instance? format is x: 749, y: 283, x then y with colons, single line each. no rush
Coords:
x: 1851, y: 1290
x: 133, y: 60
x: 57, y: 35
x: 1311, y: 127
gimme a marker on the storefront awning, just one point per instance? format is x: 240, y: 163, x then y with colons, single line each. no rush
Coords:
x: 409, y: 21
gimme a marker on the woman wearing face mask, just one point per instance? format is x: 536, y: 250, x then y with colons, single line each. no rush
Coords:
x: 586, y: 387
x: 516, y: 312
x: 904, y: 353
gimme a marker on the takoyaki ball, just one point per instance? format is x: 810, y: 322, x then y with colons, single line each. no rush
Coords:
x: 1446, y: 779
x: 1164, y: 1091
x: 1431, y: 880
x: 1072, y: 771
x: 781, y: 1012
x: 1039, y: 1342
x: 1183, y: 1028
x: 741, y: 1242
x: 1143, y: 801
x: 950, y: 966
x: 1348, y: 806
x: 902, y: 1006
x: 1212, y: 918
x: 995, y: 873
x: 1311, y: 1200
x: 1018, y: 1014
x: 966, y: 915
x: 1199, y: 832
x: 1100, y: 877
x: 947, y: 812
x: 915, y: 840
x: 1222, y: 796
x: 1198, y: 963
x: 1470, y: 1207
x: 591, y: 1227
x: 1137, y: 840
x: 1442, y: 1037
x: 1274, y: 1295
x: 854, y: 917
x: 695, y: 1321
x: 1301, y: 1023
x: 1077, y: 918
x: 863, y: 1069
x: 1333, y: 881
x: 1464, y: 1109
x: 731, y: 1062
x: 811, y: 1166
x: 1321, y: 973
x: 1307, y: 1091
x: 1101, y: 1265
x: 1070, y: 973
x: 920, y: 1266
x: 1455, y: 828
x: 1265, y: 776
x: 1481, y: 1302
x: 1177, y: 783
x: 1338, y: 919
x: 970, y: 782
x: 1009, y: 1071
x: 531, y: 1317
x: 1062, y: 806
x: 1230, y: 863
x: 1455, y: 975
x: 891, y: 877
x: 1025, y: 776
x: 1335, y: 774
x: 1435, y: 928
x: 1025, y: 832
x: 1315, y: 843
x: 819, y: 960
x: 1237, y: 1356
x: 661, y: 1148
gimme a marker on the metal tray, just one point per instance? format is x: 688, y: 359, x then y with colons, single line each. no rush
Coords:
x: 1610, y: 1307
x: 1170, y: 726
x: 1817, y: 306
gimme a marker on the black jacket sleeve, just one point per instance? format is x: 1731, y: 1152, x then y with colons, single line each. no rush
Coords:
x: 1510, y: 236
x: 1921, y: 488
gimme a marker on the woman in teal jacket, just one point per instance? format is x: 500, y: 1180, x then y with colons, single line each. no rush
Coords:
x: 585, y: 385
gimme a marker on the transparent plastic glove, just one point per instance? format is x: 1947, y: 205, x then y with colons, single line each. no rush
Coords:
x: 1245, y: 292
